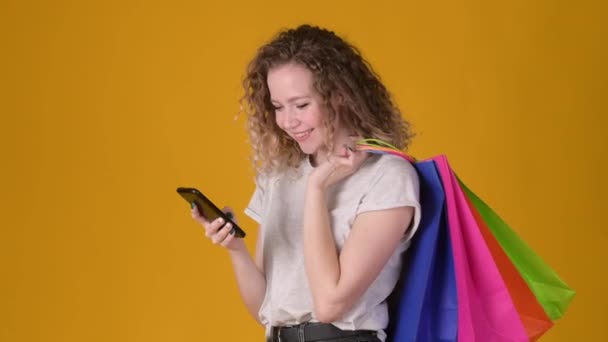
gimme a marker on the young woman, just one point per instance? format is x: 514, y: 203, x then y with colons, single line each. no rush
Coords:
x: 334, y: 221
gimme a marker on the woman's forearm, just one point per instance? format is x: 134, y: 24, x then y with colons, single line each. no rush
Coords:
x: 320, y: 254
x: 250, y: 279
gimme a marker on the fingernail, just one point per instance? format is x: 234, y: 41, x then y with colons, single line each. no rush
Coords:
x: 221, y: 220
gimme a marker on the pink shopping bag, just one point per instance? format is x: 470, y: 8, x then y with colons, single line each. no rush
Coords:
x: 485, y: 309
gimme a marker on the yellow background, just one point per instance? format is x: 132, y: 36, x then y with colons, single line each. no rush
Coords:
x: 107, y: 106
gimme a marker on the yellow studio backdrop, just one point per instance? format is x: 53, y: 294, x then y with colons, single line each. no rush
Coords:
x: 108, y: 106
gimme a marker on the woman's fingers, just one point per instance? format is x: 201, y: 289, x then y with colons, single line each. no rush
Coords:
x: 197, y: 215
x: 218, y: 231
x: 210, y: 227
x: 222, y: 234
x: 214, y: 227
x: 230, y: 214
x: 227, y: 240
x: 350, y: 159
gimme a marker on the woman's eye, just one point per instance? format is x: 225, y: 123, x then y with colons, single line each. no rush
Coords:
x: 302, y: 106
x: 276, y: 109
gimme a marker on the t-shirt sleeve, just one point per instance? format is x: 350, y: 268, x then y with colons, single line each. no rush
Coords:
x: 256, y: 203
x: 394, y: 184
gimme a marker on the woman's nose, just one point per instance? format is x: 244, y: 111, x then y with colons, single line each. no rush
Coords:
x: 291, y: 119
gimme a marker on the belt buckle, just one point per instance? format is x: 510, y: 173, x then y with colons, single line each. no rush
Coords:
x: 279, y: 334
x: 301, y: 331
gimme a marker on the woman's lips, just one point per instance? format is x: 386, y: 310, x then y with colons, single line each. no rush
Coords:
x: 302, y: 136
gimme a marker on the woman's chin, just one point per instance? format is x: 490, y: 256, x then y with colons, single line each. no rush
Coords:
x: 307, y: 149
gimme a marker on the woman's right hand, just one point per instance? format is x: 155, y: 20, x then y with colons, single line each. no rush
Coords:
x: 218, y: 231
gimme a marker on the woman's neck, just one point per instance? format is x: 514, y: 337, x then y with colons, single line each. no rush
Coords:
x: 340, y: 139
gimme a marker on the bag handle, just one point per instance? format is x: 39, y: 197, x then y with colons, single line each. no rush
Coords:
x: 378, y: 146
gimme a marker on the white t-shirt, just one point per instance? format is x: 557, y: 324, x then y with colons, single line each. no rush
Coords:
x: 382, y: 182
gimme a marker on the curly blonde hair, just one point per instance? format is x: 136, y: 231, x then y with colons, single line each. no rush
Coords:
x: 350, y: 90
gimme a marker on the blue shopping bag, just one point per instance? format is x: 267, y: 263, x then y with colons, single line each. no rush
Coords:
x: 424, y: 305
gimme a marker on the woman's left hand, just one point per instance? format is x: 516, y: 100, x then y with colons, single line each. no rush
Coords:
x: 337, y: 167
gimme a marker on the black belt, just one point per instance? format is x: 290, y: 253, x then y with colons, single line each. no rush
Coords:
x: 314, y: 332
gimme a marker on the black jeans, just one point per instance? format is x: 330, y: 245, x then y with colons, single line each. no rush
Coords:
x: 320, y: 332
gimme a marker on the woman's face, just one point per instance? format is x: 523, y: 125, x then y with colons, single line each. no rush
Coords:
x: 299, y: 110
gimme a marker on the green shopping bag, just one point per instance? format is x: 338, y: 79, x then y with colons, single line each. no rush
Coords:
x: 552, y: 293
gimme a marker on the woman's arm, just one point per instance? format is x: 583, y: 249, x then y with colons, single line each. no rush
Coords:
x: 249, y: 273
x: 338, y: 281
x: 249, y: 276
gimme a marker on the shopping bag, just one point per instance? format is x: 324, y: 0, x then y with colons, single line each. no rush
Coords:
x: 552, y: 292
x: 532, y: 315
x: 549, y: 291
x: 485, y: 309
x: 424, y: 304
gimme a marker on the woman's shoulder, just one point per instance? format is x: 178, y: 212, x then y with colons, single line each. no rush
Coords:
x: 290, y: 174
x: 384, y: 172
x: 390, y: 164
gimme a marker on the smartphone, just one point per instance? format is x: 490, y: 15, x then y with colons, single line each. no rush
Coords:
x: 209, y: 210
